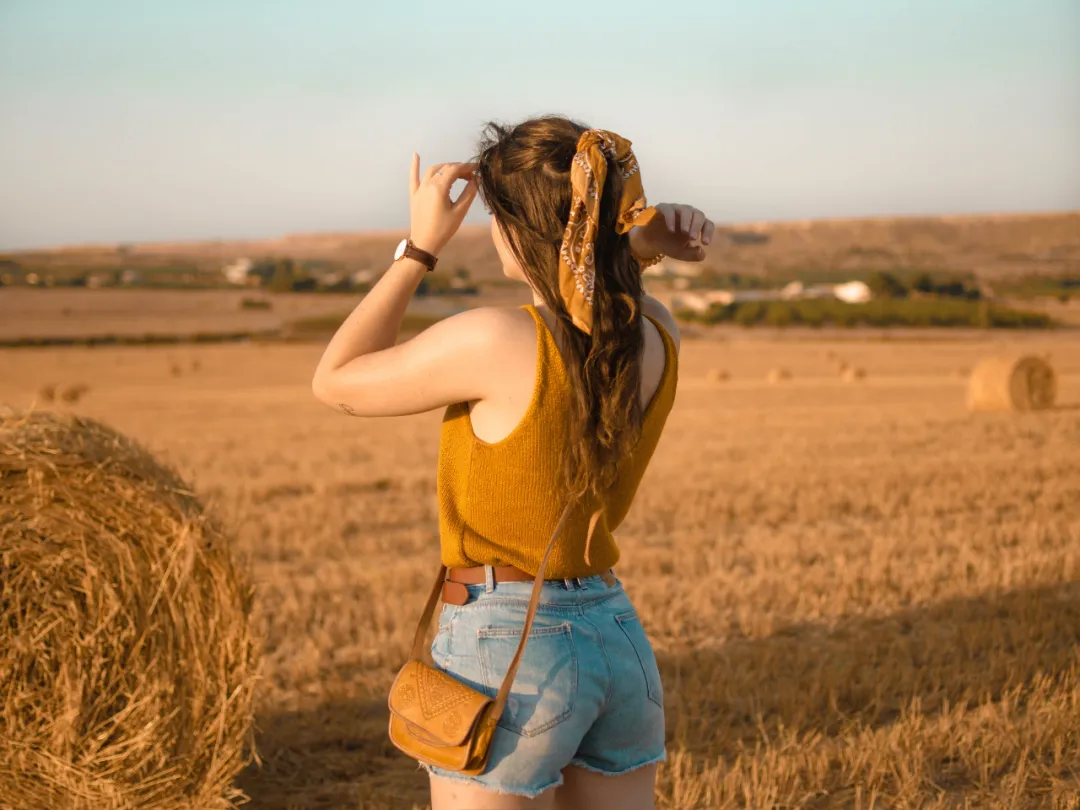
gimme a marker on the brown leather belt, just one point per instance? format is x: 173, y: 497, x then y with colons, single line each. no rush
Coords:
x: 454, y: 591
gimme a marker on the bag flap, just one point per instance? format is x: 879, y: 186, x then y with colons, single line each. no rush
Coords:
x: 439, y: 709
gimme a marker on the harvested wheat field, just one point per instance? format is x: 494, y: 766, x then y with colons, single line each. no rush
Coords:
x: 860, y: 595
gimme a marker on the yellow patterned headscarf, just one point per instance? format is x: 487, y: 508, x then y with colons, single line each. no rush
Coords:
x: 588, y: 172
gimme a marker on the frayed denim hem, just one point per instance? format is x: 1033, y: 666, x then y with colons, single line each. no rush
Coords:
x: 592, y: 768
x: 528, y: 793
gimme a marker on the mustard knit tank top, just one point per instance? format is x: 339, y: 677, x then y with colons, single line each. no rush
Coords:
x: 499, y: 502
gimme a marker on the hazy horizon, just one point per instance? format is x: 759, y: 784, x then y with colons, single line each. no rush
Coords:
x: 236, y: 120
x: 474, y: 225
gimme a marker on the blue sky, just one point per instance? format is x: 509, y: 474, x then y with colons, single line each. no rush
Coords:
x: 136, y: 120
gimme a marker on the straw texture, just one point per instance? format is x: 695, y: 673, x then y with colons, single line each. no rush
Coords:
x: 127, y: 664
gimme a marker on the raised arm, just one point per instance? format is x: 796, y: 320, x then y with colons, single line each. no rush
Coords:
x: 680, y: 232
x: 362, y: 372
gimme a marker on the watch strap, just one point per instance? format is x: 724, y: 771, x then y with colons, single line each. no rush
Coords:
x: 422, y: 256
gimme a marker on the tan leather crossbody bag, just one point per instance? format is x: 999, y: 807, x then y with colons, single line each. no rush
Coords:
x: 437, y: 719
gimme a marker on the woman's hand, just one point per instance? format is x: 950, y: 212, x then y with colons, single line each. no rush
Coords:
x: 433, y: 218
x: 679, y: 232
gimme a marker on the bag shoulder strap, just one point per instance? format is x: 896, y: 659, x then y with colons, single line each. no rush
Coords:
x: 534, y: 601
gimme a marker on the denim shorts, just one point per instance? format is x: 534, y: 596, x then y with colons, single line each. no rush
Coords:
x: 587, y: 691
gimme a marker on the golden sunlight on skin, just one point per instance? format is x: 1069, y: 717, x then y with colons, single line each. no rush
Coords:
x: 510, y: 266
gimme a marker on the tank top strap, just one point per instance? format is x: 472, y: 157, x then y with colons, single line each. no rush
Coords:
x: 550, y: 370
x: 551, y: 362
x: 546, y: 348
x: 671, y: 356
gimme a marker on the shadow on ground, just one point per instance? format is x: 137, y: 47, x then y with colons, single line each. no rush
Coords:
x: 806, y: 676
x: 334, y: 755
x: 866, y: 670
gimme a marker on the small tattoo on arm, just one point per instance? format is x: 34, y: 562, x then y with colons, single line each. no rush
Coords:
x: 347, y: 409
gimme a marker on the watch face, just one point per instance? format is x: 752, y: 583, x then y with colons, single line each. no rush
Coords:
x: 400, y: 249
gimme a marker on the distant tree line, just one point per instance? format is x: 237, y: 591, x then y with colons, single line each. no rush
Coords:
x: 271, y: 273
x: 888, y: 285
x: 878, y: 313
x: 287, y: 275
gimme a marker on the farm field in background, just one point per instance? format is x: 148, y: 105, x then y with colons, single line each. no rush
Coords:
x: 857, y: 591
x: 32, y: 313
x: 72, y: 314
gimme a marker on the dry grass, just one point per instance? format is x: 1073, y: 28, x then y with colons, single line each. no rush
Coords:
x: 127, y: 662
x: 860, y: 596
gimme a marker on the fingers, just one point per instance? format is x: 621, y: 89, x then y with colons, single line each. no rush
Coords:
x: 697, y: 220
x: 685, y: 213
x: 449, y: 173
x: 670, y: 216
x: 695, y: 225
x: 465, y: 199
x: 691, y: 223
x: 432, y: 170
x: 414, y: 174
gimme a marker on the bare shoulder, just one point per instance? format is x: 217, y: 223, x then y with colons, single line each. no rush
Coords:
x: 650, y: 306
x: 482, y: 325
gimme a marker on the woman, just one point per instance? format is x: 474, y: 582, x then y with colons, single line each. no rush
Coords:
x: 560, y: 400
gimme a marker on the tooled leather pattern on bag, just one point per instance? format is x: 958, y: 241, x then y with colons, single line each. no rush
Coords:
x: 440, y: 693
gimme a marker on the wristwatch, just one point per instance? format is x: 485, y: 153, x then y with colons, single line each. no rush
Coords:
x: 407, y: 250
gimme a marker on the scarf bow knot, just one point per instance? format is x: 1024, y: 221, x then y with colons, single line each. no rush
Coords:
x: 588, y: 175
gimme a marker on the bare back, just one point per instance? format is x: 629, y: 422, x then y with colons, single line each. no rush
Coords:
x: 495, y: 417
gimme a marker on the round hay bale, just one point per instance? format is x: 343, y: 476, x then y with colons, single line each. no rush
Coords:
x: 126, y: 651
x: 47, y: 393
x: 778, y: 375
x: 176, y: 369
x: 1012, y: 383
x: 853, y: 374
x: 717, y: 375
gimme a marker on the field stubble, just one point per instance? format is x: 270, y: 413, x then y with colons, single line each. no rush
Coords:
x: 860, y: 595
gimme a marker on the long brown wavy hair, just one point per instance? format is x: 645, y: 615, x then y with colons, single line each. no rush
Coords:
x: 524, y: 181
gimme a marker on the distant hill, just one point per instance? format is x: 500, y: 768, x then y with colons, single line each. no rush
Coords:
x: 990, y: 246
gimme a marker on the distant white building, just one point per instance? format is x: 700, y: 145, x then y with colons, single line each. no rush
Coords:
x: 102, y: 279
x: 701, y: 300
x: 854, y: 292
x: 792, y: 290
x: 237, y: 271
